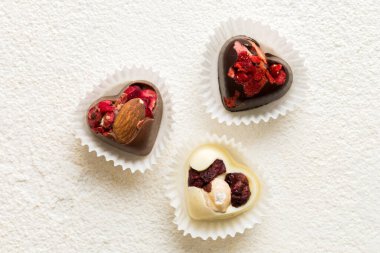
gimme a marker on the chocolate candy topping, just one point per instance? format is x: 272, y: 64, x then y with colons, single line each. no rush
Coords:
x: 248, y: 78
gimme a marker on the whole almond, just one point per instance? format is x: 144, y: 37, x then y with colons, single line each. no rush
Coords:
x: 128, y: 121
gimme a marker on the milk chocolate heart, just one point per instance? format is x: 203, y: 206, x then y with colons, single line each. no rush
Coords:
x: 218, y: 187
x: 130, y: 120
x: 248, y: 78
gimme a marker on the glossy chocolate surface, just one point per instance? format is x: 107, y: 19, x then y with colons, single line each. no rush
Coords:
x: 228, y: 86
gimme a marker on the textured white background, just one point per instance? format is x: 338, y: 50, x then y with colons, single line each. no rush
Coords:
x: 323, y: 159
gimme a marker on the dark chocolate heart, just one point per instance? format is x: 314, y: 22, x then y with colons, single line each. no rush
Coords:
x: 248, y: 78
x: 130, y: 120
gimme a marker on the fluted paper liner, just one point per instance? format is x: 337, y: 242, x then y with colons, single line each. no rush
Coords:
x: 271, y: 42
x: 175, y: 191
x: 111, y: 86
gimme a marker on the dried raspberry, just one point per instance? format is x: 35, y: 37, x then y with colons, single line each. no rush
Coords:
x: 93, y: 123
x: 281, y: 78
x: 278, y: 75
x: 243, y: 56
x: 258, y: 74
x: 240, y: 191
x: 105, y: 106
x: 108, y: 119
x: 241, y: 77
x: 231, y: 102
x: 252, y: 72
x: 94, y: 114
x: 132, y: 92
x: 274, y: 69
x: 253, y: 87
x: 201, y: 179
x: 98, y: 130
x: 151, y: 95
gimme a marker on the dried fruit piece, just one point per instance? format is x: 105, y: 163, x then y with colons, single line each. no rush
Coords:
x: 125, y: 126
x: 132, y: 92
x: 239, y: 185
x: 105, y: 106
x: 201, y: 179
x: 108, y: 119
x: 231, y: 102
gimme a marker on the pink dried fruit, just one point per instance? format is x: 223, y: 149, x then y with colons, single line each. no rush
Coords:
x: 231, y: 101
x: 105, y: 106
x: 132, y: 92
x: 252, y: 73
x: 108, y: 119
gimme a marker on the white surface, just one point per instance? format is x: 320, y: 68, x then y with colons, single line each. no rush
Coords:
x: 323, y: 159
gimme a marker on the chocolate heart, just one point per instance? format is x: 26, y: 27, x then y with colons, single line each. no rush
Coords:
x: 130, y: 120
x: 218, y: 187
x: 248, y: 78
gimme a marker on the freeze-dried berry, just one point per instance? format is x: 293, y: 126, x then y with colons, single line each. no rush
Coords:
x: 231, y: 102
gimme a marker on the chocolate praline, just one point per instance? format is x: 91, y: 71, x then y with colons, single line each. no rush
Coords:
x: 233, y: 93
x: 148, y: 111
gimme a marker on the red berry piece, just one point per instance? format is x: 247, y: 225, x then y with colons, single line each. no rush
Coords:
x: 202, y: 178
x: 132, y: 92
x: 239, y: 185
x: 105, y: 106
x: 231, y: 102
x: 108, y: 119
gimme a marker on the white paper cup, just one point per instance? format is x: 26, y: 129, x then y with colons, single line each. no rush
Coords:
x: 175, y: 191
x: 271, y: 42
x: 111, y: 86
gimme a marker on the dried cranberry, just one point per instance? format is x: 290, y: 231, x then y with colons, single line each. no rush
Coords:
x: 216, y: 168
x: 277, y: 73
x: 202, y: 178
x: 195, y: 179
x: 240, y: 191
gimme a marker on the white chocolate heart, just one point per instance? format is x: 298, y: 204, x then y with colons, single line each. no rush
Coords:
x: 200, y: 204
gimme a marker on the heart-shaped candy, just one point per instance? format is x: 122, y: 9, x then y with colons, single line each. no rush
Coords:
x: 129, y: 120
x: 218, y: 187
x: 248, y: 78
